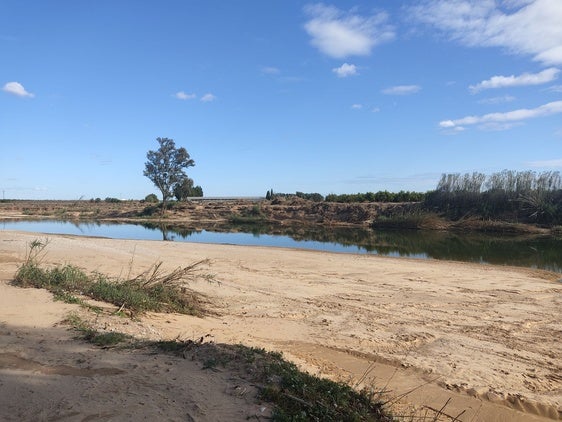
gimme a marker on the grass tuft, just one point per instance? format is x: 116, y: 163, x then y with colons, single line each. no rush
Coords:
x: 153, y: 290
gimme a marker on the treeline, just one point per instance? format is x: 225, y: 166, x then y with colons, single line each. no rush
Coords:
x: 381, y: 196
x: 512, y: 196
x: 521, y: 196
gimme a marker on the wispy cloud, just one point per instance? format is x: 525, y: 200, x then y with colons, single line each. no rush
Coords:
x: 183, y: 96
x: 555, y: 88
x: 341, y: 34
x: 270, y: 70
x: 521, y: 27
x: 345, y: 70
x: 207, y: 98
x: 401, y: 90
x: 545, y: 76
x: 357, y: 106
x: 421, y: 181
x: 15, y: 88
x: 499, y: 121
x: 555, y: 163
x: 497, y: 100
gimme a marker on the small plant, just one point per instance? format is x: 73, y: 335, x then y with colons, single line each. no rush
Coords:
x: 91, y: 335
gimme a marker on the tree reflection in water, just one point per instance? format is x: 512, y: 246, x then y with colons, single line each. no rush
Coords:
x: 528, y: 251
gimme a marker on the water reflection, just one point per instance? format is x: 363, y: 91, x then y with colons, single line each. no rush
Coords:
x: 528, y: 251
x: 534, y: 252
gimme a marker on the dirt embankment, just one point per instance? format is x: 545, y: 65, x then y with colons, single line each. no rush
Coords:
x: 279, y: 213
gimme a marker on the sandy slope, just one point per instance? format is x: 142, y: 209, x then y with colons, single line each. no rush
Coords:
x: 486, y: 337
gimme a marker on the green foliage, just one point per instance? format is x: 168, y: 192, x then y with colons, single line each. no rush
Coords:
x: 149, y: 210
x: 112, y: 200
x: 152, y: 290
x: 315, y: 197
x: 414, y: 219
x: 197, y: 191
x: 151, y: 198
x: 253, y: 215
x: 296, y: 395
x: 91, y: 335
x: 185, y: 189
x: 381, y: 196
x: 300, y: 396
x: 166, y: 166
x: 523, y: 196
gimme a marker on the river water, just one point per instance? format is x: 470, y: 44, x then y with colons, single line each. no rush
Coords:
x: 532, y: 252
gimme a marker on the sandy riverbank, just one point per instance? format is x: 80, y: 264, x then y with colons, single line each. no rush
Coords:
x: 486, y: 337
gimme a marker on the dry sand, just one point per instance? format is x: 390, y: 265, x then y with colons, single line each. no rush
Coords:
x: 487, y: 338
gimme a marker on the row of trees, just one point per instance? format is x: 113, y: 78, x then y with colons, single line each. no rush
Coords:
x: 380, y: 196
x: 515, y: 182
x: 525, y: 196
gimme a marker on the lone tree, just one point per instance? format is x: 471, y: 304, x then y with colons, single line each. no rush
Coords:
x: 166, y: 167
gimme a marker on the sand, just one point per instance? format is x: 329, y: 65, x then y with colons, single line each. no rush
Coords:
x: 483, y: 339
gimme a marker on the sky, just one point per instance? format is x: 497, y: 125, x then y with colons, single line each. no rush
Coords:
x: 334, y: 97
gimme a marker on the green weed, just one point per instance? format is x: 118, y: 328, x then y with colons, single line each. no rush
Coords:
x: 152, y: 290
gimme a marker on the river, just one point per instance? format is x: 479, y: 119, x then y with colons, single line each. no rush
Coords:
x: 532, y: 252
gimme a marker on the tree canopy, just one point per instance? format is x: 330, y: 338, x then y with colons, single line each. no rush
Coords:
x: 185, y: 189
x: 166, y: 167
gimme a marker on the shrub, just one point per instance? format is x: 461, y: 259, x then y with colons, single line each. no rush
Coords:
x: 152, y: 290
x: 151, y: 198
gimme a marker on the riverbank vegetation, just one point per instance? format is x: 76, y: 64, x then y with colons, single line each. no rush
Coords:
x: 519, y: 197
x: 152, y: 290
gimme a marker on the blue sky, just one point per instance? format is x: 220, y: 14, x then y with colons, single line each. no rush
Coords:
x: 334, y: 97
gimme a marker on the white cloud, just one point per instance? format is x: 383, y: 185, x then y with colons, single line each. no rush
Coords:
x: 523, y: 27
x: 207, y: 98
x: 401, y: 90
x: 545, y: 76
x: 556, y: 163
x: 270, y: 70
x: 375, y: 110
x: 357, y: 106
x: 15, y: 88
x: 341, y: 34
x: 183, y: 96
x: 501, y: 121
x: 555, y: 88
x: 497, y: 100
x: 345, y: 70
